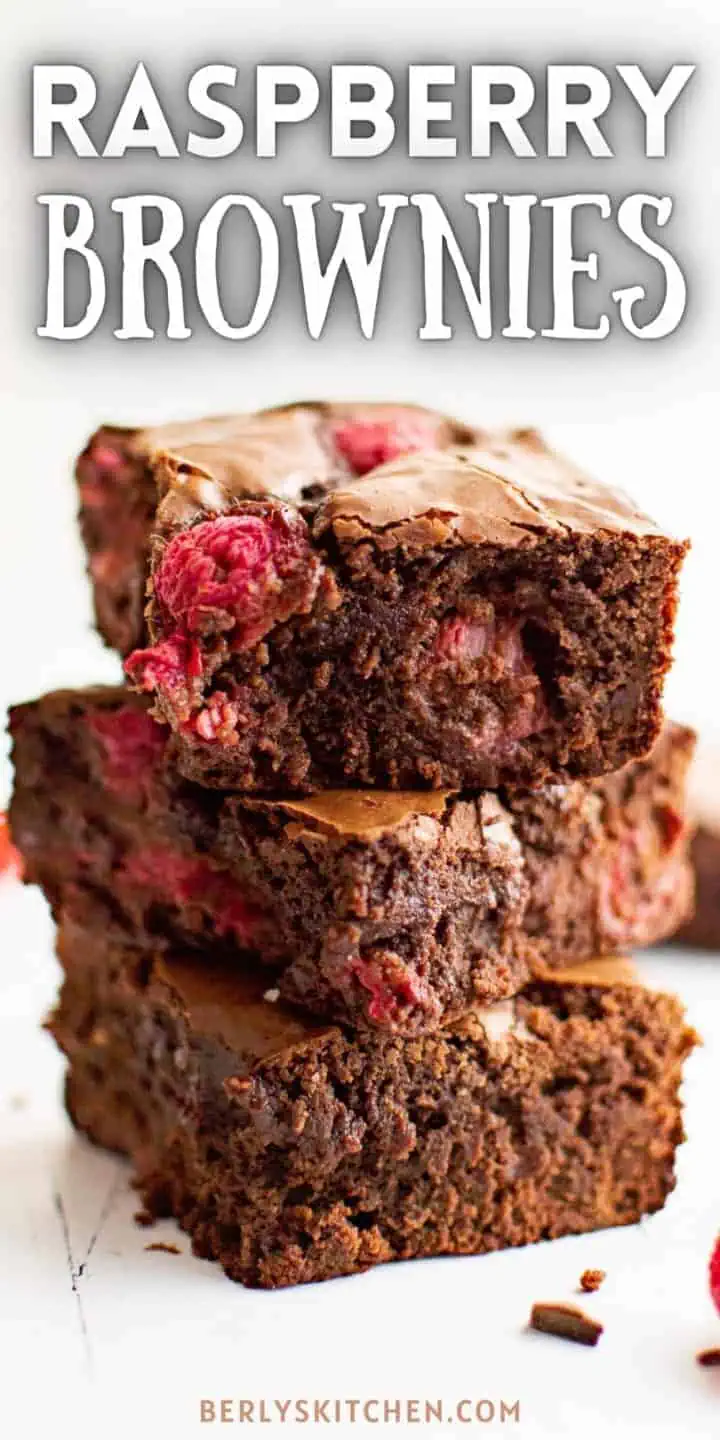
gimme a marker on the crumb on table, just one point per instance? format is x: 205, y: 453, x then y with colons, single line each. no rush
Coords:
x: 591, y: 1280
x: 709, y: 1358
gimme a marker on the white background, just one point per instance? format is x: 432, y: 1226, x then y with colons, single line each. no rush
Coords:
x: 165, y: 1330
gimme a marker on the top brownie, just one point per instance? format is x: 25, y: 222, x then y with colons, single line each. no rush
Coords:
x: 297, y: 452
x: 463, y: 618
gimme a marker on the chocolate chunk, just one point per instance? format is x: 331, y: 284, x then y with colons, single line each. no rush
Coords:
x: 566, y: 1321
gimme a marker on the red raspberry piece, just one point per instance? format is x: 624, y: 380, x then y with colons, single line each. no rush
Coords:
x: 170, y: 667
x: 218, y: 719
x: 715, y: 1274
x: 239, y: 573
x: 619, y: 900
x: 131, y: 745
x: 99, y: 469
x: 235, y: 576
x: 460, y: 638
x: 630, y: 901
x: 365, y: 444
x: 106, y: 457
x: 391, y: 986
x: 10, y: 859
x: 180, y: 880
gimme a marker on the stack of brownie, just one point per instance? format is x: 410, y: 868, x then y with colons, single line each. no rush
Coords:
x: 340, y: 874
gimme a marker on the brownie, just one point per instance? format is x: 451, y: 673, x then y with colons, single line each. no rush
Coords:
x: 385, y: 908
x: 702, y: 929
x: 294, y: 451
x: 294, y: 1151
x: 455, y: 619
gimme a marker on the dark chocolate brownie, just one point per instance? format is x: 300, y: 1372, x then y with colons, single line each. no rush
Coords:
x: 294, y: 1152
x: 455, y: 619
x: 294, y: 451
x: 702, y: 929
x: 382, y: 908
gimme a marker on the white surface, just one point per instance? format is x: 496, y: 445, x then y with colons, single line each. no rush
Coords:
x: 132, y: 1348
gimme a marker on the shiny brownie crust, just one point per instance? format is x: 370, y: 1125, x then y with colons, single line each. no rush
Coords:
x: 384, y: 909
x: 293, y: 1152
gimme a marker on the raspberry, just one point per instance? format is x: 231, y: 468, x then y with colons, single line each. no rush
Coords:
x: 170, y: 667
x: 631, y: 902
x: 619, y: 898
x: 390, y: 984
x: 180, y: 880
x: 10, y: 860
x: 106, y: 457
x: 99, y: 469
x: 238, y: 573
x: 715, y: 1274
x: 366, y: 444
x: 218, y: 719
x: 459, y: 638
x: 131, y: 745
x: 234, y: 577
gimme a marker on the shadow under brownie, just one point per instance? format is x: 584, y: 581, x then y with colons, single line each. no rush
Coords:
x: 293, y: 1151
x: 385, y: 909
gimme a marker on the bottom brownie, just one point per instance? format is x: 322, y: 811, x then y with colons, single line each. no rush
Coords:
x: 294, y: 1152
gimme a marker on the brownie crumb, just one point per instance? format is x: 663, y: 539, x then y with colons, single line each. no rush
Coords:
x: 709, y: 1358
x: 566, y: 1321
x: 144, y: 1218
x: 166, y: 1249
x: 591, y: 1280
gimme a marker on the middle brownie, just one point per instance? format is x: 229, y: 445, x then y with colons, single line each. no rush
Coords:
x: 398, y: 910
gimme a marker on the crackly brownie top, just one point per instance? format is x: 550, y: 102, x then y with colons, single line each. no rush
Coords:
x: 295, y: 452
x: 368, y: 815
x: 230, y: 1006
x: 509, y: 491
